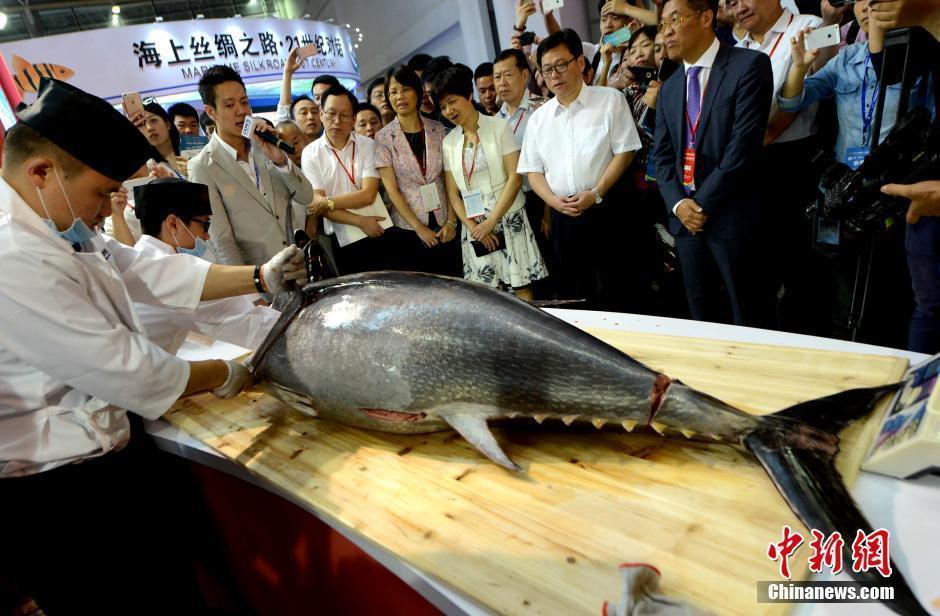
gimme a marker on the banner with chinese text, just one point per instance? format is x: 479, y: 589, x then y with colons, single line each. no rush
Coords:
x: 166, y: 58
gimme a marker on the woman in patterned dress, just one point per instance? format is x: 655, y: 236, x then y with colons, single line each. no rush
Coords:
x: 480, y: 159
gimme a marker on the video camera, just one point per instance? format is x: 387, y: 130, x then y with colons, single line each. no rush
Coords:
x: 909, y: 154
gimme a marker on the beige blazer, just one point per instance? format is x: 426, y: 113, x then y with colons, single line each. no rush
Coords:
x: 249, y: 227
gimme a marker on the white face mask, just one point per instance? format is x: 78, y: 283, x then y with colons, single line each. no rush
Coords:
x: 78, y: 232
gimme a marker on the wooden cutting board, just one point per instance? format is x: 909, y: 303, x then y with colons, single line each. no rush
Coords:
x: 549, y: 541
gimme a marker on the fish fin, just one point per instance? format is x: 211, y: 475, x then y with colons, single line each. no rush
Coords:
x: 802, y: 466
x: 468, y: 420
x: 290, y: 397
x: 19, y: 63
x: 832, y: 413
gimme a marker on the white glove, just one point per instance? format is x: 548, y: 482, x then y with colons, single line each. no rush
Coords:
x: 238, y: 377
x: 285, y: 265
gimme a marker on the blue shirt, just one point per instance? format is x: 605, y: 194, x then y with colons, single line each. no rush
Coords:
x: 843, y: 77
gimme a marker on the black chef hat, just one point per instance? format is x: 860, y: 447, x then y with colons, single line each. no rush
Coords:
x: 88, y: 128
x: 165, y: 196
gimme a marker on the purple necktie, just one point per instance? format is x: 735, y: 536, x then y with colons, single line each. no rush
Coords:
x: 693, y: 105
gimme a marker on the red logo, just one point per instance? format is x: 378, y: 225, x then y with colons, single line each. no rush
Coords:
x: 868, y: 551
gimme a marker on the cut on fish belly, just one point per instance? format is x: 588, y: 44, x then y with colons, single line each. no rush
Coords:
x: 415, y: 353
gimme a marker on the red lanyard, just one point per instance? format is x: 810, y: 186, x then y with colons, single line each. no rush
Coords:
x: 472, y: 164
x: 779, y: 38
x: 518, y: 122
x: 351, y: 176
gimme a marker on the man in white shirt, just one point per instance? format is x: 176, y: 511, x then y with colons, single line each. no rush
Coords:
x: 74, y: 359
x: 510, y: 75
x: 175, y: 216
x: 791, y: 144
x: 575, y: 148
x: 341, y: 168
x: 252, y: 183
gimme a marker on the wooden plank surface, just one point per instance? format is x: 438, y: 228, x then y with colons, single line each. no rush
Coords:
x: 549, y: 541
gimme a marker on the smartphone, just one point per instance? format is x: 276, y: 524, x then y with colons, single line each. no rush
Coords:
x: 526, y: 38
x: 132, y: 103
x: 551, y: 5
x: 667, y: 68
x: 643, y: 74
x: 480, y: 250
x: 306, y: 51
x: 618, y: 38
x: 822, y: 37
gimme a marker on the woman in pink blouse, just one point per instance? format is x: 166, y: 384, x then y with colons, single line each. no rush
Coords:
x: 409, y: 156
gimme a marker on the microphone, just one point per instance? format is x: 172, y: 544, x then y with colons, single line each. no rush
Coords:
x: 280, y: 143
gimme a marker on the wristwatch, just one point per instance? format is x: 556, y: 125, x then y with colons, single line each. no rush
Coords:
x: 517, y: 28
x: 452, y: 223
x: 597, y: 196
x: 330, y: 204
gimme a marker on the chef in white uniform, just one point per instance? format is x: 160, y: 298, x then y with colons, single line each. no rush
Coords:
x: 174, y: 217
x: 74, y: 359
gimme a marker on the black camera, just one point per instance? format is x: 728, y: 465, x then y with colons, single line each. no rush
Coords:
x: 910, y: 153
x: 526, y: 38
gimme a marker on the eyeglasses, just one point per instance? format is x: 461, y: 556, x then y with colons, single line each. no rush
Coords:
x: 559, y: 67
x: 204, y: 223
x: 332, y: 116
x: 675, y: 20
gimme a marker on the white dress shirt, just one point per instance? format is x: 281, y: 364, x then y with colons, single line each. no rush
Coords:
x: 519, y: 119
x: 573, y: 145
x: 320, y: 162
x: 248, y: 166
x: 706, y: 61
x: 777, y: 45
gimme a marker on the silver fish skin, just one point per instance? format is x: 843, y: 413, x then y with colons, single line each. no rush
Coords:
x: 408, y: 353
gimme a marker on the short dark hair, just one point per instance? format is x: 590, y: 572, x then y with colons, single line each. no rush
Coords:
x: 341, y: 92
x: 205, y: 121
x: 419, y: 62
x: 406, y: 77
x: 367, y: 107
x: 23, y: 142
x: 377, y: 82
x: 216, y: 75
x: 567, y: 37
x: 183, y: 109
x: 453, y: 80
x: 151, y: 225
x: 649, y: 31
x: 435, y: 67
x: 302, y: 97
x: 329, y: 80
x: 484, y: 70
x: 521, y: 63
x: 705, y: 5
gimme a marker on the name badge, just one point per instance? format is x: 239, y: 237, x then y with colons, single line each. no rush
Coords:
x: 430, y: 199
x: 473, y: 203
x: 688, y: 168
x: 854, y: 157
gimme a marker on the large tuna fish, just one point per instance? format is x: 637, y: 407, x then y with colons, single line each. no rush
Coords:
x: 413, y: 353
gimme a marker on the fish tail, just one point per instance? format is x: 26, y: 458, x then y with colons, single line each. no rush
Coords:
x: 797, y: 447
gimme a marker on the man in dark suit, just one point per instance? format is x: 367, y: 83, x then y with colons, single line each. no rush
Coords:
x: 710, y: 124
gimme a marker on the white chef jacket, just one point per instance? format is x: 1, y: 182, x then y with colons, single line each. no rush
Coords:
x: 73, y: 355
x: 232, y: 319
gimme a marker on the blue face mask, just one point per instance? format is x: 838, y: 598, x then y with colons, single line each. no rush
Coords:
x: 197, y: 251
x: 78, y: 232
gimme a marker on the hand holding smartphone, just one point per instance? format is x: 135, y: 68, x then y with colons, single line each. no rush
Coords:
x: 133, y: 106
x: 822, y: 37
